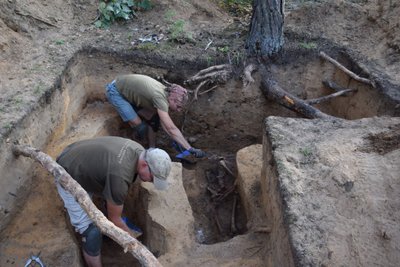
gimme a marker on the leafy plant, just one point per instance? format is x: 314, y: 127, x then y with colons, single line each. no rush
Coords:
x: 113, y: 10
x: 305, y: 151
x: 59, y: 42
x: 177, y: 29
x: 223, y: 49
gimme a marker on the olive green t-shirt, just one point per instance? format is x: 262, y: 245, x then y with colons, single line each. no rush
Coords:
x: 104, y: 165
x: 143, y: 91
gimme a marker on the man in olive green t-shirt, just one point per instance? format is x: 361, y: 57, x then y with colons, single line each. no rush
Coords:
x: 142, y: 101
x: 106, y: 166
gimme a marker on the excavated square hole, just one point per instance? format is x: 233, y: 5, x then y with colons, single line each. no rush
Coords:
x: 221, y: 122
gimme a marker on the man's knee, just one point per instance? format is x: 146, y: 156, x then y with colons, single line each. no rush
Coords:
x: 91, y: 240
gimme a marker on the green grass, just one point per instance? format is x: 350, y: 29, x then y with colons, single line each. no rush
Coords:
x: 146, y: 46
x: 310, y: 45
x: 59, y: 42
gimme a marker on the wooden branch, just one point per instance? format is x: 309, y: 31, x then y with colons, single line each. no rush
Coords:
x: 208, y: 90
x: 335, y: 86
x: 139, y: 251
x: 328, y: 97
x: 274, y: 92
x: 247, y: 78
x: 345, y: 70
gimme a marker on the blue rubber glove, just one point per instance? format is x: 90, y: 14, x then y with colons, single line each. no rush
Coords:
x: 198, y: 153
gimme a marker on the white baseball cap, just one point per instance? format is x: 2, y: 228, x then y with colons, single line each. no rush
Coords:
x: 160, y: 166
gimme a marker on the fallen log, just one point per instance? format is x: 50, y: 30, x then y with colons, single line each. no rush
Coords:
x: 274, y: 92
x: 129, y: 244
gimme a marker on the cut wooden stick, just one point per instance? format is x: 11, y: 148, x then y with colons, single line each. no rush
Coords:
x: 129, y: 244
x: 345, y: 70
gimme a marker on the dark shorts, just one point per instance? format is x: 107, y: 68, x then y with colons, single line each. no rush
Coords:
x: 92, y: 240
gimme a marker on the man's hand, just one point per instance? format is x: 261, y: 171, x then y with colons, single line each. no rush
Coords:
x: 142, y: 130
x: 198, y: 153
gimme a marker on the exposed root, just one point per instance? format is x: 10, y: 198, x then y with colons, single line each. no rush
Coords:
x: 247, y: 78
x: 345, y: 70
x: 216, y: 74
x: 196, y: 91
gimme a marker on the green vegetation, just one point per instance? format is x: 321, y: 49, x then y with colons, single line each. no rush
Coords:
x: 169, y: 15
x: 210, y: 61
x: 7, y: 127
x: 237, y: 58
x: 305, y: 151
x: 237, y: 7
x: 178, y: 32
x: 223, y: 49
x: 17, y: 101
x: 39, y: 89
x: 308, y: 45
x: 146, y: 46
x: 60, y: 42
x: 113, y: 10
x: 176, y: 28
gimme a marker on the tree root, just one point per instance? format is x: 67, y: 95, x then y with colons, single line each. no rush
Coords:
x: 340, y: 91
x: 216, y: 74
x: 345, y: 70
x: 247, y: 78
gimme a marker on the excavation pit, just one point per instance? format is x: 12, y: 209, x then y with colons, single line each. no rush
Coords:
x: 222, y: 122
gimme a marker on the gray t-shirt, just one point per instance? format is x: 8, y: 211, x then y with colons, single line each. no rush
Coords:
x: 103, y: 165
x: 143, y: 91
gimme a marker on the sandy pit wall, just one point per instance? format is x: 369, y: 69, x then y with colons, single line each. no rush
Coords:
x: 57, y: 109
x: 331, y: 191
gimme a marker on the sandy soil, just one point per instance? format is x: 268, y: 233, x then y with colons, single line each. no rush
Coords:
x: 37, y: 39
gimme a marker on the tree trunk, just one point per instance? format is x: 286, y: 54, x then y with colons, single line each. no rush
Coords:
x: 140, y: 252
x: 266, y: 28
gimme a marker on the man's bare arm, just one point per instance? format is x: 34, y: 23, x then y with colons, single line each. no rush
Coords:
x: 171, y: 129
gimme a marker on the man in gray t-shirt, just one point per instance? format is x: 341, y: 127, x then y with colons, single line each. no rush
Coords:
x: 143, y: 101
x: 106, y: 166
